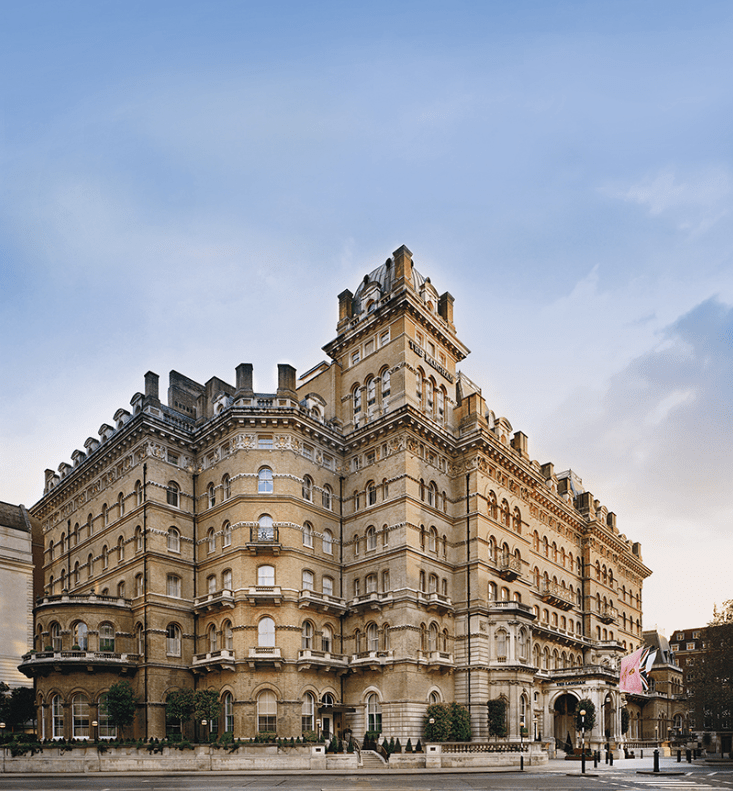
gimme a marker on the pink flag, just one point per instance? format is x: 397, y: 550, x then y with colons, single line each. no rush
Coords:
x: 631, y: 672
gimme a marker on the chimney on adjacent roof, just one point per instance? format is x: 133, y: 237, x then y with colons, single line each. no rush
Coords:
x: 244, y: 379
x: 286, y: 379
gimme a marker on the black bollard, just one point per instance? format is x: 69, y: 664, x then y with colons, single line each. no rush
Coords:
x: 656, y: 760
x: 679, y: 756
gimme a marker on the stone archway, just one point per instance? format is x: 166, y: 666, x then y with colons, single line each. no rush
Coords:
x: 564, y: 708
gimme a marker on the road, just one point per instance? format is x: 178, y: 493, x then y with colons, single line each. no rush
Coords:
x: 557, y: 776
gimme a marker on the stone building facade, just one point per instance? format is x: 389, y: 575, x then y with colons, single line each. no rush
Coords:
x: 366, y: 540
x: 21, y: 553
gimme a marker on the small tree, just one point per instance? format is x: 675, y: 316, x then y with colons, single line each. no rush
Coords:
x: 120, y: 705
x: 179, y: 705
x: 590, y: 715
x: 496, y: 711
x: 17, y: 706
x: 460, y: 723
x: 206, y: 705
x: 439, y: 730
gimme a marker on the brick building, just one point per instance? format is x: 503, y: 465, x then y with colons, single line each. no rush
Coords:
x: 366, y: 540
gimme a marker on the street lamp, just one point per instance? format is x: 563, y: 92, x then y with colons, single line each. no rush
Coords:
x: 521, y: 746
x: 582, y: 741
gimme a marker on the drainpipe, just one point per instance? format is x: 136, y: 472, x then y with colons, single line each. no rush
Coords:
x: 341, y: 577
x: 468, y: 585
x: 145, y: 590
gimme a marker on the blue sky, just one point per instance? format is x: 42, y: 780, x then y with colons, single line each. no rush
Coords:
x: 190, y: 185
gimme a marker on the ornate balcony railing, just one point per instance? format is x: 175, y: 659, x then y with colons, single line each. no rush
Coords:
x: 510, y: 567
x: 557, y: 596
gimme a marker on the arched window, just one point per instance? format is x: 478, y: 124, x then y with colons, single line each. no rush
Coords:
x: 228, y: 635
x: 522, y: 645
x: 493, y: 508
x: 386, y: 389
x: 307, y: 488
x: 227, y: 705
x: 57, y: 717
x: 433, y: 637
x: 356, y: 400
x: 106, y: 637
x: 326, y: 639
x: 265, y: 529
x: 80, y: 636
x: 419, y: 387
x: 307, y: 713
x: 307, y: 535
x: 307, y: 580
x: 213, y: 639
x: 226, y: 487
x: 266, y: 576
x: 174, y: 540
x: 173, y: 494
x: 374, y: 713
x: 211, y: 492
x: 264, y: 481
x: 266, y: 632
x: 80, y: 716
x: 266, y: 712
x: 226, y: 580
x: 371, y: 391
x: 371, y: 538
x: 306, y: 636
x: 372, y: 637
x: 173, y: 640
x: 328, y: 542
x: 432, y: 494
x: 326, y: 497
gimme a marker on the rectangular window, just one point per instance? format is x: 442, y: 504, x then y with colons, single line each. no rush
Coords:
x: 265, y: 442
